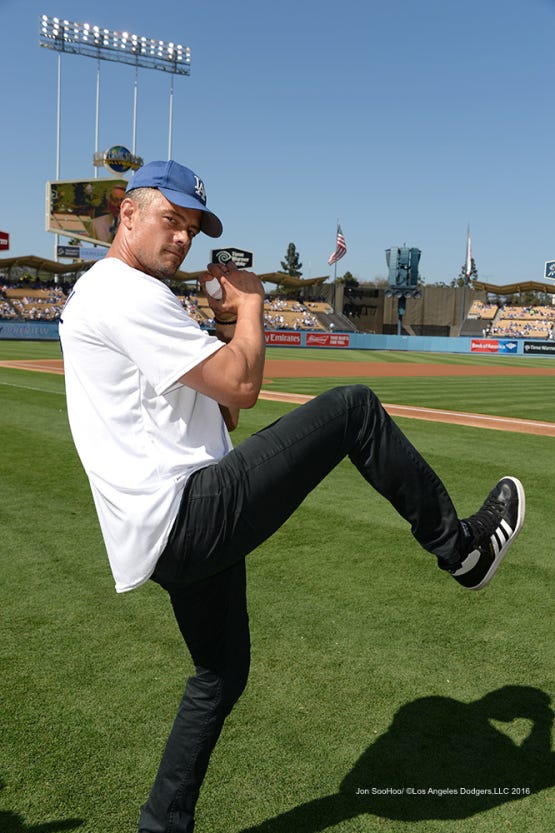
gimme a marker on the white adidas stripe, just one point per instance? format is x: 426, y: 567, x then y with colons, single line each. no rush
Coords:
x: 500, y: 536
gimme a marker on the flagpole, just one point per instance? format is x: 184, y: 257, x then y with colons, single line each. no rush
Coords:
x: 467, y: 273
x: 340, y: 249
x: 335, y: 274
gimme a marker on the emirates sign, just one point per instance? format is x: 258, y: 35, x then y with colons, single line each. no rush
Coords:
x: 4, y: 241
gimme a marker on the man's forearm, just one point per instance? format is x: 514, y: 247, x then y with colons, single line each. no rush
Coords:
x: 233, y: 375
x: 245, y: 339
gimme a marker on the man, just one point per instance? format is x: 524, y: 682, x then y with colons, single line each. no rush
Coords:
x: 149, y: 398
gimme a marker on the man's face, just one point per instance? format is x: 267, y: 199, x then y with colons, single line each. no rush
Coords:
x: 115, y: 199
x: 160, y: 235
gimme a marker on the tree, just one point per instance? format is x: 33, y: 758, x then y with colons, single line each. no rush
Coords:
x: 348, y: 278
x: 291, y: 264
x: 462, y: 279
x: 351, y: 284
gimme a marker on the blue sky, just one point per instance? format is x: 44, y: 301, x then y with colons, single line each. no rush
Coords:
x: 405, y: 121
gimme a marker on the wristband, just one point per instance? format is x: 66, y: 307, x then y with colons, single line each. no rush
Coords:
x: 225, y: 323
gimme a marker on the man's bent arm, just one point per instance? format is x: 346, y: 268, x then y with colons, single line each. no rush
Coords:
x: 233, y: 375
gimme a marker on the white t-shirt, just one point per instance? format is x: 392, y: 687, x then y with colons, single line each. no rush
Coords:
x: 126, y: 340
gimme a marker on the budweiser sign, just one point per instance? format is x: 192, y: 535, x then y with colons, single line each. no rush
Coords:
x: 327, y: 340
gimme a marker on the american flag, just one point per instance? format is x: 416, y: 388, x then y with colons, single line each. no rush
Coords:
x: 340, y: 247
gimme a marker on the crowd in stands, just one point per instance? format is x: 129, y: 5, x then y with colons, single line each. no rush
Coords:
x: 485, y: 311
x: 31, y: 304
x: 7, y: 310
x: 34, y: 301
x: 531, y: 313
x: 512, y: 321
x: 515, y: 328
x: 289, y: 315
x: 279, y: 313
x: 197, y: 308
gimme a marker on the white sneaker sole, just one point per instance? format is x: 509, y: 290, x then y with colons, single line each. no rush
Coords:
x: 501, y: 541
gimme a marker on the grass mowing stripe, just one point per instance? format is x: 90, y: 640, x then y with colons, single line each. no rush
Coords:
x: 51, y: 350
x: 10, y: 350
x: 521, y: 397
x: 405, y: 357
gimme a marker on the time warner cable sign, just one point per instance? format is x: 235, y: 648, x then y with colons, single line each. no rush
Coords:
x: 240, y: 257
x: 549, y: 270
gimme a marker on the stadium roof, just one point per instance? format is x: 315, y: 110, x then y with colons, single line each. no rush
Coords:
x: 514, y: 288
x: 44, y: 269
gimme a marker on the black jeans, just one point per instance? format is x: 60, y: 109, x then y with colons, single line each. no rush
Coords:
x: 231, y: 507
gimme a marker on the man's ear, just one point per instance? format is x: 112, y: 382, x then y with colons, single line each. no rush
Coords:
x: 126, y: 212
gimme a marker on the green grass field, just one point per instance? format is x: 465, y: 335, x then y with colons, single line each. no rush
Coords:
x: 372, y: 670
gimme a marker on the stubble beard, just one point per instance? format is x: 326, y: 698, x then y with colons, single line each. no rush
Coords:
x: 163, y: 271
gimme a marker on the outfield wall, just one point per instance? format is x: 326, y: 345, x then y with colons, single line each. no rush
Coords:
x: 421, y: 344
x: 48, y: 331
x: 29, y: 330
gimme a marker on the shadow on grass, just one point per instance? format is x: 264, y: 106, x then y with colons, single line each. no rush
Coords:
x: 440, y: 759
x: 13, y: 823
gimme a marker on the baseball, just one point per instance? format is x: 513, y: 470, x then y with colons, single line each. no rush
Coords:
x: 213, y: 288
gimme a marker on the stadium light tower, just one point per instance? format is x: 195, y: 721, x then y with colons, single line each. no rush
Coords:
x: 403, y: 278
x: 65, y: 36
x: 107, y: 45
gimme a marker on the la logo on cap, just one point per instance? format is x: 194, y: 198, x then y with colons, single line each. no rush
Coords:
x: 199, y: 189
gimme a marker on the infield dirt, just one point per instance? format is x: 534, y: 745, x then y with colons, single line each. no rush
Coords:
x: 280, y: 368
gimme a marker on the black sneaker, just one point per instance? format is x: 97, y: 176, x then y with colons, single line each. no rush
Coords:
x: 490, y: 533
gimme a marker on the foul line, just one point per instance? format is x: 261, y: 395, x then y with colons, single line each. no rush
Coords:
x: 30, y: 387
x: 522, y: 426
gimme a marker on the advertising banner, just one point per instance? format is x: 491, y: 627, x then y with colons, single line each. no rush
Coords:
x: 92, y: 252
x: 29, y: 330
x: 508, y: 346
x: 327, y: 340
x: 494, y: 345
x: 84, y: 209
x: 4, y: 241
x: 68, y: 251
x: 539, y: 348
x: 287, y: 338
x: 484, y: 345
x: 283, y: 338
x: 242, y: 258
x: 82, y: 252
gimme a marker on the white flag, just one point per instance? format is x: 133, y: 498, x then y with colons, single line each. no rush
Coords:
x: 468, y: 254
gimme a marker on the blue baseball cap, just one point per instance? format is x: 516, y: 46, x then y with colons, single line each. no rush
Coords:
x: 181, y: 187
